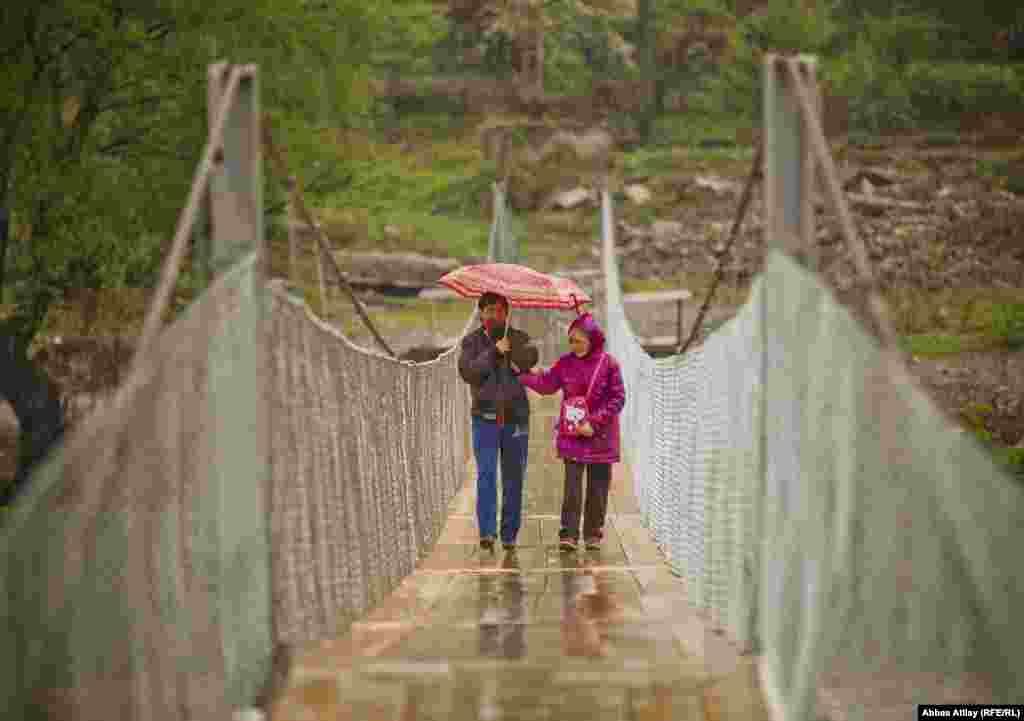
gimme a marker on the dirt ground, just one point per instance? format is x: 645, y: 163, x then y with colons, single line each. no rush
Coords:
x: 930, y: 223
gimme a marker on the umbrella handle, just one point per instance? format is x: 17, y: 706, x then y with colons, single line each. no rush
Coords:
x: 508, y: 320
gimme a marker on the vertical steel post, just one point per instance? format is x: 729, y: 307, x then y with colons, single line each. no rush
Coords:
x: 789, y: 226
x: 236, y: 497
x: 809, y: 169
x: 788, y: 182
x: 236, y: 187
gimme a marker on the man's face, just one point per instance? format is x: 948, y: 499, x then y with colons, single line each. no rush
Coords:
x: 493, y: 314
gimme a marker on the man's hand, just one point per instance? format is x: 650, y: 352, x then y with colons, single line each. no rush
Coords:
x: 503, y: 345
x: 586, y: 429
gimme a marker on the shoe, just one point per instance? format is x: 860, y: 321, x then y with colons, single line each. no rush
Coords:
x: 593, y: 544
x: 567, y: 544
x: 487, y: 543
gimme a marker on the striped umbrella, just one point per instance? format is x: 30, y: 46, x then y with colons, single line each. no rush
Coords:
x: 523, y: 287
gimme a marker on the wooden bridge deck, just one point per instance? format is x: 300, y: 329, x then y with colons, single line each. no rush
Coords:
x: 539, y: 634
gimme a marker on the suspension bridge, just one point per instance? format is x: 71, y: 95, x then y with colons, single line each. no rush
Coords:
x: 270, y: 516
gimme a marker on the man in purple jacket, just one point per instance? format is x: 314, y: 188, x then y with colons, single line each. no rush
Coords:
x: 587, y: 367
x: 489, y: 361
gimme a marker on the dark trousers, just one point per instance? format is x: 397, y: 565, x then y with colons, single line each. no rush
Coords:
x: 599, y: 476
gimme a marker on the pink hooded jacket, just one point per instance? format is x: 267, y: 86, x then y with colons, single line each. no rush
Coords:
x: 572, y: 375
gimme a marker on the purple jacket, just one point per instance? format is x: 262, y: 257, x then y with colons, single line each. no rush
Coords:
x: 572, y: 375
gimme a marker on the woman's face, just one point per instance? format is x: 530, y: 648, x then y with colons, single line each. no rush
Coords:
x: 579, y: 343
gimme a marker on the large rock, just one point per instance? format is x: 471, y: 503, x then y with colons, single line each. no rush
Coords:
x: 569, y: 199
x: 404, y: 270
x: 638, y: 194
x: 666, y: 231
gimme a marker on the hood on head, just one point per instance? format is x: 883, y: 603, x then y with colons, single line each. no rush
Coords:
x: 588, y: 325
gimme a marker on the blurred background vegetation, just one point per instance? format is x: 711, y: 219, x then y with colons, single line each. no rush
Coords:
x: 103, y: 116
x: 382, y: 104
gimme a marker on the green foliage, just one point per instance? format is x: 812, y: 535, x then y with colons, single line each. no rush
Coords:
x: 1008, y: 324
x: 410, y: 36
x: 1012, y: 459
x: 933, y: 345
x: 871, y: 67
x: 878, y: 94
x: 103, y: 121
x: 967, y: 30
x: 431, y: 234
x: 645, y: 161
x: 436, y: 207
x: 702, y: 128
x: 891, y: 62
x: 897, y: 38
x: 893, y: 66
x: 949, y: 88
x: 784, y: 26
x: 1005, y: 173
x: 975, y: 416
x: 578, y: 48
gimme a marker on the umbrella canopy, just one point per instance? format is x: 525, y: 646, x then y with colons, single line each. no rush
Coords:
x: 524, y: 287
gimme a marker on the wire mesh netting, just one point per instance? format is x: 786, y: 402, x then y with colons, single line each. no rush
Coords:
x: 259, y: 480
x: 136, y: 584
x: 367, y: 454
x: 821, y: 509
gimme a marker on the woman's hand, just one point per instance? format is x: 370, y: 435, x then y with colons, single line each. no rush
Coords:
x: 586, y: 429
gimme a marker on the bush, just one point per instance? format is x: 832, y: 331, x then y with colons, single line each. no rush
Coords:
x: 933, y: 345
x: 879, y: 99
x: 938, y: 90
x: 1006, y: 174
x: 786, y: 26
x: 1008, y: 324
x: 975, y: 416
x: 1013, y: 458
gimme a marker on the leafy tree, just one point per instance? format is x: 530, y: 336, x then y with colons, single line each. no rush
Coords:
x: 968, y: 30
x: 103, y: 119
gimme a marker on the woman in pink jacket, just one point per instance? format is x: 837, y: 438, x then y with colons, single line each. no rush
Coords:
x: 595, y: 445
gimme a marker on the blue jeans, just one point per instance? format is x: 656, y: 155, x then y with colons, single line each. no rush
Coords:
x: 512, y: 440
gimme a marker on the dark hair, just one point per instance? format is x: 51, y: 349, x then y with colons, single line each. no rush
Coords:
x: 489, y: 299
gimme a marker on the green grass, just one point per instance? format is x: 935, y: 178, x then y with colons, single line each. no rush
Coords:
x: 1011, y: 458
x: 665, y: 161
x: 933, y: 345
x: 649, y: 161
x: 446, y: 318
x: 430, y: 234
x: 696, y: 283
x: 697, y: 128
x: 992, y: 314
x: 646, y: 285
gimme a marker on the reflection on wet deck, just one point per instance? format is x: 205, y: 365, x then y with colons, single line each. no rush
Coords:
x: 528, y: 635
